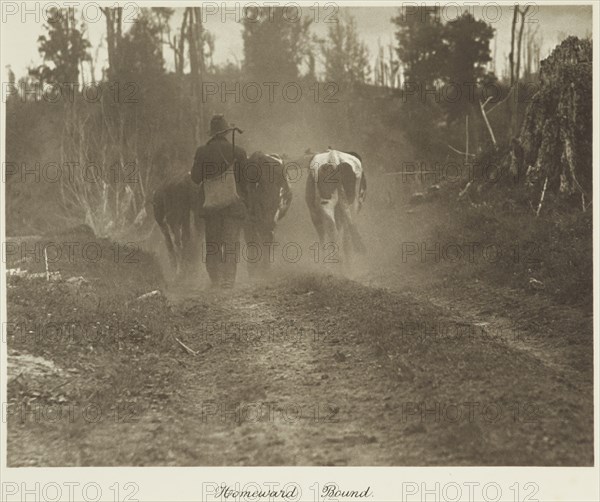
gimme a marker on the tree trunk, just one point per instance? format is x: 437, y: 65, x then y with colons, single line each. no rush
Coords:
x: 556, y: 135
x: 511, y: 56
x: 196, y: 52
x: 113, y: 39
x: 515, y: 113
x: 199, y: 33
x: 519, y: 44
x: 110, y: 41
x: 181, y: 44
x: 118, y: 38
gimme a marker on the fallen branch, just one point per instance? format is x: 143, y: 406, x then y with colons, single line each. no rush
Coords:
x: 181, y: 362
x: 18, y: 376
x: 46, y: 260
x: 464, y: 190
x: 186, y: 348
x: 466, y: 138
x: 500, y: 102
x: 455, y: 150
x: 17, y: 272
x: 62, y: 384
x: 487, y: 101
x: 487, y: 122
x: 537, y: 213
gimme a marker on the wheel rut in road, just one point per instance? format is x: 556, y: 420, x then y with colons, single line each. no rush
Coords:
x: 281, y: 385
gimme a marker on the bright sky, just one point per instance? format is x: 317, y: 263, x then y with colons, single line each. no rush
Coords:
x: 20, y: 29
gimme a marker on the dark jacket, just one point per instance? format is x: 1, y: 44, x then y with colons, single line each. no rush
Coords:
x: 213, y: 159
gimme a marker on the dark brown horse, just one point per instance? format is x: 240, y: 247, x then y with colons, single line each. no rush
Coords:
x: 269, y: 198
x: 174, y: 204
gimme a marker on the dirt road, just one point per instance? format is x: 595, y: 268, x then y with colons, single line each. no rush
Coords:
x: 400, y: 364
x: 321, y: 370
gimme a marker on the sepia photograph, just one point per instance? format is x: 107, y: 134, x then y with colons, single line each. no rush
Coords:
x: 243, y: 234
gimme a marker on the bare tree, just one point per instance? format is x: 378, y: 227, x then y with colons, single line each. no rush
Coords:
x: 515, y: 65
x: 386, y: 72
x: 104, y: 190
x: 517, y: 73
x: 114, y: 36
x: 196, y: 40
x: 520, y: 41
x: 511, y: 54
x: 532, y: 51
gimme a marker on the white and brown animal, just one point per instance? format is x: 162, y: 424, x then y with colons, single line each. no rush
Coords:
x: 335, y: 192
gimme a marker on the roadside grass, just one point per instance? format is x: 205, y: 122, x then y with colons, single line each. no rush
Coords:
x: 115, y: 351
x: 503, y: 243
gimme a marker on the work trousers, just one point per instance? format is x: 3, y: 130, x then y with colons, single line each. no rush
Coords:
x: 222, y: 231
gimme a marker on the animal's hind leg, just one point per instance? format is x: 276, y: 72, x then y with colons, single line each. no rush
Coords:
x: 169, y: 242
x: 312, y: 201
x: 347, y: 250
x: 161, y: 218
x: 346, y: 221
x: 197, y: 238
x: 327, y: 211
x: 344, y: 250
x: 252, y: 243
x: 268, y: 240
x: 174, y: 220
x: 318, y: 223
x: 186, y: 243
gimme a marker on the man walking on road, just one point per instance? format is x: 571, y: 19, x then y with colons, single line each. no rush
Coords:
x: 220, y: 166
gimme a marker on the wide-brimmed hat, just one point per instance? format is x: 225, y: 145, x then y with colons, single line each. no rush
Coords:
x: 218, y: 124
